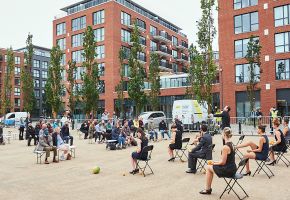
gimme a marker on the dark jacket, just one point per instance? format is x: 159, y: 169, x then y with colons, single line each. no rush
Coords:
x: 37, y: 129
x: 225, y: 119
x: 64, y: 131
x: 203, y: 146
x: 115, y: 133
x: 30, y: 131
x: 84, y: 128
x: 162, y: 126
x: 54, y: 139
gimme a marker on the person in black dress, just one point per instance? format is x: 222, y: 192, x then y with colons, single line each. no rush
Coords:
x: 176, y: 141
x: 142, y: 142
x: 226, y: 167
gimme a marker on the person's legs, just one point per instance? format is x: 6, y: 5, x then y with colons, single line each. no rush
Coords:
x: 170, y: 152
x: 151, y: 133
x: 29, y: 140
x: 47, y: 153
x: 162, y: 133
x: 156, y: 135
x: 248, y: 144
x: 250, y: 156
x: 71, y: 140
x: 54, y: 149
x: 209, y: 176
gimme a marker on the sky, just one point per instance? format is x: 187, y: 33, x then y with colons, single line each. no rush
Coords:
x: 36, y: 16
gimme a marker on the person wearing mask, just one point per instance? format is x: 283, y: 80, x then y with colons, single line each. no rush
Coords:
x: 21, y: 128
x: 226, y: 167
x: 225, y: 118
x: 30, y: 131
x: 37, y: 130
x: 151, y: 130
x: 84, y: 129
x: 66, y: 135
x: 176, y: 141
x: 163, y: 129
x: 286, y: 130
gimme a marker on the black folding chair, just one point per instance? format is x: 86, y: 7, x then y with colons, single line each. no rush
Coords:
x: 202, y: 161
x: 146, y: 150
x: 237, y: 151
x: 263, y: 167
x: 183, y: 149
x: 281, y: 157
x: 232, y: 181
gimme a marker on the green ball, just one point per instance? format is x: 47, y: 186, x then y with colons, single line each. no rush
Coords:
x: 96, y: 170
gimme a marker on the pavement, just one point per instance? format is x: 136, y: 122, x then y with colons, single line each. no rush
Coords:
x: 21, y: 178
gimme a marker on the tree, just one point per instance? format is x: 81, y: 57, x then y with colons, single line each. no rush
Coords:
x: 6, y: 103
x: 90, y: 88
x: 254, y: 58
x: 73, y: 93
x: 154, y: 80
x: 137, y: 73
x: 54, y: 86
x: 120, y: 86
x: 27, y: 86
x: 202, y: 70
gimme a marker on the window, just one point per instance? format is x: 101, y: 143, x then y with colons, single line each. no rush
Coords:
x: 141, y: 23
x: 17, y: 60
x: 79, y: 23
x: 153, y: 46
x: 127, y: 52
x: 36, y: 73
x: 61, y: 43
x: 100, y: 51
x: 99, y: 34
x: 141, y: 56
x: 77, y: 40
x: 17, y: 102
x: 63, y: 77
x: 79, y: 72
x: 282, y: 42
x: 44, y: 64
x: 36, y: 93
x: 17, y: 71
x: 283, y: 69
x: 174, y: 41
x: 282, y: 15
x: 101, y: 67
x: 174, y: 54
x: 125, y: 36
x: 36, y: 63
x: 16, y: 91
x: 153, y: 30
x: 101, y: 87
x: 77, y: 56
x: 36, y: 83
x: 243, y: 73
x: 43, y: 84
x: 142, y: 40
x: 125, y: 19
x: 99, y: 17
x: 60, y: 29
x: 126, y: 70
x: 44, y: 74
x: 238, y: 4
x: 241, y: 47
x: 17, y: 81
x: 63, y: 59
x: 246, y: 22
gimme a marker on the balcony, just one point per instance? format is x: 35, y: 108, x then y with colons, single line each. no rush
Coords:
x: 162, y: 51
x: 182, y: 59
x: 141, y: 59
x: 141, y: 27
x: 141, y: 41
x: 165, y: 66
x: 182, y: 46
x: 162, y: 37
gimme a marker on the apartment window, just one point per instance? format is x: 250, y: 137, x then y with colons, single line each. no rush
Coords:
x: 153, y: 46
x: 238, y: 4
x: 174, y: 67
x: 174, y: 41
x: 17, y: 102
x: 246, y: 22
x: 60, y: 29
x: 174, y: 54
x: 282, y: 42
x: 153, y: 30
x: 36, y: 73
x: 37, y: 93
x: 43, y: 83
x: 141, y: 56
x: 77, y: 40
x: 79, y: 72
x: 100, y: 51
x: 44, y: 64
x: 125, y: 36
x: 101, y: 68
x: 17, y: 81
x: 61, y: 43
x: 17, y: 60
x: 126, y: 70
x: 17, y: 71
x: 142, y: 40
x: 125, y: 18
x: 36, y: 63
x: 282, y: 15
x: 99, y: 34
x: 79, y: 23
x: 241, y: 47
x: 243, y: 73
x: 101, y: 87
x: 63, y: 77
x: 99, y: 17
x: 141, y: 23
x: 283, y: 69
x: 127, y: 52
x: 63, y: 59
x: 16, y: 91
x: 36, y: 83
x: 44, y: 74
x: 77, y: 56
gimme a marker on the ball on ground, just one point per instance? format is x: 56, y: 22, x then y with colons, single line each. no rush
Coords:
x: 96, y: 170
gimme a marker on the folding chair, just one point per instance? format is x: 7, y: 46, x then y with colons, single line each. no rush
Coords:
x: 185, y: 142
x: 234, y: 180
x: 283, y: 158
x: 237, y: 151
x: 148, y: 150
x: 202, y: 161
x: 261, y: 164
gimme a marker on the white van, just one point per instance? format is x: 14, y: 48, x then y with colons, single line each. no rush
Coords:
x: 14, y: 118
x: 189, y: 111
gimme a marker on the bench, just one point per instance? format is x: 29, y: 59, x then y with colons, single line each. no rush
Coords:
x: 39, y: 155
x: 73, y: 151
x: 7, y: 137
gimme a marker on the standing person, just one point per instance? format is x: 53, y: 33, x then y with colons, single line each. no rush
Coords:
x: 225, y: 118
x: 273, y: 115
x: 105, y: 116
x: 21, y: 129
x: 218, y: 120
x: 259, y: 115
x: 66, y: 135
x: 176, y: 141
x: 115, y: 118
x: 30, y: 131
x: 163, y: 129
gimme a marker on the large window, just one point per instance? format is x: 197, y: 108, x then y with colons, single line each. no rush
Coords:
x: 174, y: 41
x: 99, y: 17
x: 36, y: 83
x: 79, y: 72
x: 241, y: 47
x: 17, y: 81
x: 60, y: 29
x: 77, y: 40
x: 99, y: 34
x: 44, y: 74
x: 243, y: 73
x: 125, y: 19
x: 282, y: 42
x: 36, y: 73
x: 101, y: 69
x: 153, y: 46
x: 36, y: 63
x: 125, y: 36
x: 16, y: 91
x: 153, y: 30
x: 17, y: 71
x: 100, y: 50
x: 44, y: 64
x: 283, y: 69
x: 17, y: 102
x: 238, y: 4
x: 61, y: 43
x: 101, y: 87
x: 79, y: 23
x: 174, y: 54
x: 126, y: 70
x: 17, y: 60
x: 127, y: 52
x: 282, y: 15
x: 243, y: 103
x: 246, y: 22
x: 141, y: 23
x: 63, y: 59
x: 37, y: 93
x: 77, y: 56
x: 43, y: 83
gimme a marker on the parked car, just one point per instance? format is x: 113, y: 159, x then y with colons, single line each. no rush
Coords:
x: 157, y: 116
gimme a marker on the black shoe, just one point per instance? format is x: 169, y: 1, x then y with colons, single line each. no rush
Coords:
x: 190, y: 171
x: 272, y: 163
x: 135, y: 171
x: 247, y: 174
x: 206, y: 191
x: 171, y: 159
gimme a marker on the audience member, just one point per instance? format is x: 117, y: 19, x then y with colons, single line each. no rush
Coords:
x: 61, y: 146
x: 176, y: 141
x: 163, y: 129
x: 286, y: 130
x: 21, y: 128
x: 30, y: 131
x: 85, y: 129
x: 151, y: 130
x: 66, y: 135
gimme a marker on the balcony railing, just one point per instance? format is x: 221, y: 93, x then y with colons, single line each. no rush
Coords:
x: 182, y: 58
x: 182, y: 45
x: 141, y: 58
x: 162, y: 51
x: 141, y: 27
x: 163, y: 37
x: 165, y: 66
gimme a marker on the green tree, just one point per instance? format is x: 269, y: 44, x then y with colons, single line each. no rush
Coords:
x: 137, y: 73
x: 73, y: 94
x: 54, y: 86
x: 6, y: 103
x: 254, y: 59
x: 120, y: 86
x: 90, y: 88
x: 154, y: 80
x: 27, y: 86
x: 202, y: 71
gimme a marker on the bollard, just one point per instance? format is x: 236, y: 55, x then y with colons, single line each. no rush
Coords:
x: 240, y: 127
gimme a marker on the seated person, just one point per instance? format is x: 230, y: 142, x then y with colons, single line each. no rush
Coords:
x: 30, y: 131
x: 59, y: 143
x: 151, y: 131
x: 280, y: 144
x: 127, y: 132
x: 286, y: 130
x: 92, y: 130
x: 163, y: 129
x: 109, y: 128
x: 117, y: 135
x: 202, y: 150
x: 37, y: 130
x: 176, y: 141
x: 100, y: 130
x: 65, y: 134
x: 135, y: 126
x: 258, y: 152
x: 226, y: 167
x: 45, y: 144
x: 142, y: 142
x: 85, y: 129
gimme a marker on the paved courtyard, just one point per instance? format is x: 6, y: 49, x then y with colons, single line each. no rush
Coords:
x: 21, y: 178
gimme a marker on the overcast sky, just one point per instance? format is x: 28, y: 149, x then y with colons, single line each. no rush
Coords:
x: 36, y: 16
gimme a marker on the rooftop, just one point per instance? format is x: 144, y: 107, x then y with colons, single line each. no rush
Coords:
x: 35, y: 47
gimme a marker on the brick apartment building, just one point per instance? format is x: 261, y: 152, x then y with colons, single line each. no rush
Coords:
x: 268, y: 20
x: 112, y: 22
